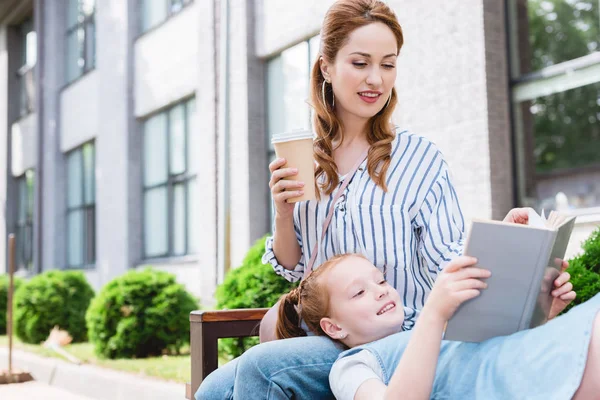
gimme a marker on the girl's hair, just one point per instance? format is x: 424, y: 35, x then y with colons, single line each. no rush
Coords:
x: 343, y: 17
x: 309, y: 302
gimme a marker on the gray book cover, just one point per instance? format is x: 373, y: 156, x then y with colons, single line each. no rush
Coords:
x: 524, y: 261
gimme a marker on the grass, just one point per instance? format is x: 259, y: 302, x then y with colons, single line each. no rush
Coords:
x: 172, y: 368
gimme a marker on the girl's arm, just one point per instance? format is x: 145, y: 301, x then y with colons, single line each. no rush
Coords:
x: 415, y: 373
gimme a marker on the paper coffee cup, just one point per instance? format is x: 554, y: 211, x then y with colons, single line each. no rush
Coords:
x: 297, y: 149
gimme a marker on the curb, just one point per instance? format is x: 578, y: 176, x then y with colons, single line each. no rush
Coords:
x: 91, y: 381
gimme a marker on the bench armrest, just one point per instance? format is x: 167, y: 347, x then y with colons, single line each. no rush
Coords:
x: 206, y: 327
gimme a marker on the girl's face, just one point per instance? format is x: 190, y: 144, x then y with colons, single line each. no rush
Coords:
x: 363, y: 306
x: 364, y: 71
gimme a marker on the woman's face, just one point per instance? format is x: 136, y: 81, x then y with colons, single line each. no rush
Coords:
x: 363, y: 306
x: 364, y: 71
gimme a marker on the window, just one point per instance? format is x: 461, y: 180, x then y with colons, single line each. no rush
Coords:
x: 288, y: 78
x: 81, y: 38
x: 154, y: 12
x: 81, y: 207
x: 169, y: 182
x: 555, y: 57
x: 28, y: 41
x: 24, y: 236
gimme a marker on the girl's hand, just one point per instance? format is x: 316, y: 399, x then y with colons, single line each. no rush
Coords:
x: 284, y: 189
x: 457, y: 283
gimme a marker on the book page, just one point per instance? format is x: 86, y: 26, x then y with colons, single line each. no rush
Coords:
x: 535, y: 220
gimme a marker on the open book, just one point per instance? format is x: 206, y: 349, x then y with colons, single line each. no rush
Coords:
x: 524, y: 261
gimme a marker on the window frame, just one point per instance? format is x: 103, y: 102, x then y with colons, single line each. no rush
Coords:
x: 184, y: 178
x: 89, y: 254
x: 83, y: 22
x: 526, y: 87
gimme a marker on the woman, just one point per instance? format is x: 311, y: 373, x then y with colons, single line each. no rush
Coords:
x: 349, y: 300
x: 397, y: 207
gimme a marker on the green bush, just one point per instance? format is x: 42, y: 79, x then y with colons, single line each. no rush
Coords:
x: 52, y: 298
x: 140, y: 314
x: 252, y: 285
x: 585, y: 270
x: 4, y: 300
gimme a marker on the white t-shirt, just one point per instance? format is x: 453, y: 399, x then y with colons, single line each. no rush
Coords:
x: 348, y: 373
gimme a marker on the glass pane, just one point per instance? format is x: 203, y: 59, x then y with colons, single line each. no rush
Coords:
x: 566, y: 129
x: 87, y: 7
x: 90, y: 235
x: 75, y: 238
x: 72, y: 13
x: 288, y: 87
x: 30, y: 181
x: 313, y: 44
x: 153, y: 13
x: 155, y: 222
x: 192, y: 136
x: 553, y: 31
x: 31, y: 49
x: 176, y: 5
x: 22, y: 204
x: 89, y: 177
x: 177, y: 137
x: 74, y: 179
x: 179, y: 219
x: 192, y: 217
x: 564, y: 134
x: 90, y: 45
x: 155, y: 150
x: 74, y: 60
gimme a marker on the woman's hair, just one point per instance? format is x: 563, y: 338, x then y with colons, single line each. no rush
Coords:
x: 309, y: 302
x: 341, y: 19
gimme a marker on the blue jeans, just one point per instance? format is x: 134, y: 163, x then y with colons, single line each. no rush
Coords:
x: 282, y: 369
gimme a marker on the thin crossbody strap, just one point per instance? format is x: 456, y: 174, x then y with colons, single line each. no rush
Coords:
x: 315, y: 251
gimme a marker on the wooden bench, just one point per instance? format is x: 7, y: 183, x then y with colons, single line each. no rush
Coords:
x: 206, y: 328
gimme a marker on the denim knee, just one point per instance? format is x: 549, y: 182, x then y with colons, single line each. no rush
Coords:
x: 219, y: 384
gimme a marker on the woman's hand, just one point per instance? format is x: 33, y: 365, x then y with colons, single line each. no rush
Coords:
x: 284, y: 189
x: 458, y: 282
x: 563, y: 294
x: 518, y: 216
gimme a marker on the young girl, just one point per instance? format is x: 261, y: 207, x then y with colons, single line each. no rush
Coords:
x: 349, y: 300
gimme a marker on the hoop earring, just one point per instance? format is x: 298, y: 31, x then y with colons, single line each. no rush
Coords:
x: 323, y: 95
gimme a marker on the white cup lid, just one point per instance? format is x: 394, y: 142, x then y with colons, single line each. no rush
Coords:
x: 293, y: 135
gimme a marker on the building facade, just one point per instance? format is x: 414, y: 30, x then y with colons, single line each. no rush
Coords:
x: 136, y: 133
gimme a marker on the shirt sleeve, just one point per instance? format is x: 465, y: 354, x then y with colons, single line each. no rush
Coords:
x: 269, y: 256
x: 348, y: 373
x: 441, y: 223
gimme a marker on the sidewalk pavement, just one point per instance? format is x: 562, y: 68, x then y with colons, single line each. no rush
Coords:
x: 36, y: 390
x: 91, y: 382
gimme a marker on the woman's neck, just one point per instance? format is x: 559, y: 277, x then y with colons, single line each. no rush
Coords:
x: 354, y: 130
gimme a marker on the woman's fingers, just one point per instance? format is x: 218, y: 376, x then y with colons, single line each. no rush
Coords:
x: 284, y: 196
x: 282, y: 173
x: 285, y: 185
x: 562, y: 279
x: 276, y: 164
x: 564, y: 289
x: 570, y: 296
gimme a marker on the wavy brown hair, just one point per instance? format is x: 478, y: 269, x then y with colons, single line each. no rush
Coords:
x: 343, y: 17
x: 309, y: 302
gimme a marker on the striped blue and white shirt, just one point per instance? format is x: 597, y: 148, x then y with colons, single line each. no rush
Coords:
x: 411, y: 232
